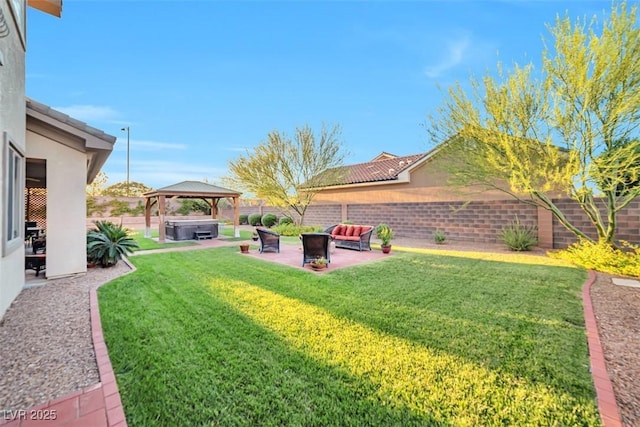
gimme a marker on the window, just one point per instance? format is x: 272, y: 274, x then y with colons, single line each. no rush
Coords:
x: 13, y: 166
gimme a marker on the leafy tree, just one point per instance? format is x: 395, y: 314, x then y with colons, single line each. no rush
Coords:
x: 194, y: 205
x: 286, y: 173
x: 120, y: 189
x: 97, y: 185
x: 573, y: 128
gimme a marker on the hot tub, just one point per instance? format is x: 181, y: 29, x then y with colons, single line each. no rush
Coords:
x: 191, y: 229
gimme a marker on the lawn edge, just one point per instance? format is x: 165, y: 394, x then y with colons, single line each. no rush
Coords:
x: 607, y: 406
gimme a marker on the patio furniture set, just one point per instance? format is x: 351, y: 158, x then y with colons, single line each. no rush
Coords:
x: 317, y: 245
x: 36, y: 244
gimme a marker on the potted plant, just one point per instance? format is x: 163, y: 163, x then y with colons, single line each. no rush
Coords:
x: 254, y: 236
x: 385, y: 234
x: 244, y: 248
x: 319, y: 263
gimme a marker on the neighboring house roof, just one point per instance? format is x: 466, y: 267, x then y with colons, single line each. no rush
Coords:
x: 48, y: 122
x: 194, y: 189
x: 384, y: 167
x: 52, y: 7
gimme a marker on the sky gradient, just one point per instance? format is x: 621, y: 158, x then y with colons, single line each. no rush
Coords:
x: 201, y: 82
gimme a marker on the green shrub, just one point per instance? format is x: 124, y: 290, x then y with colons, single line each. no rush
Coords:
x: 602, y: 257
x: 138, y: 210
x: 254, y: 219
x: 244, y: 219
x: 285, y: 220
x: 93, y: 207
x: 439, y: 237
x: 118, y: 207
x: 519, y: 237
x: 108, y: 243
x: 347, y: 221
x: 269, y: 220
x: 295, y: 230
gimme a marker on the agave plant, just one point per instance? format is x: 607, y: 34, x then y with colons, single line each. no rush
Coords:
x: 108, y: 243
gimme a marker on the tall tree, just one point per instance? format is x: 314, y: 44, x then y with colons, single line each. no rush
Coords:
x: 122, y: 189
x: 98, y: 184
x: 287, y: 173
x: 532, y: 134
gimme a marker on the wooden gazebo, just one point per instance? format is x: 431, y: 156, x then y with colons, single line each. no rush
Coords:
x: 190, y: 190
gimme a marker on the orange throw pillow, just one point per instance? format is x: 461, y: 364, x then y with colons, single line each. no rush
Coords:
x: 338, y: 230
x: 357, y: 230
x: 349, y: 231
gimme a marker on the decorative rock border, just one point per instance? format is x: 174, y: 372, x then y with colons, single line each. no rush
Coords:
x: 609, y: 413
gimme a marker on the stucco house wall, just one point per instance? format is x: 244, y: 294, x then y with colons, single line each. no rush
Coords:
x: 66, y: 204
x: 12, y: 123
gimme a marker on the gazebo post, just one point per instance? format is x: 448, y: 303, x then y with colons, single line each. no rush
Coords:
x: 214, y: 208
x: 147, y: 217
x: 161, y: 230
x: 236, y: 217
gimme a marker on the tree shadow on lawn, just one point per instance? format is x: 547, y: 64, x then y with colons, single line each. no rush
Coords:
x: 530, y: 324
x: 182, y: 357
x: 419, y: 306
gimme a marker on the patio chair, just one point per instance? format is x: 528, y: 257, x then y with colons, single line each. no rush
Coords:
x: 269, y: 240
x: 315, y: 245
x: 30, y: 231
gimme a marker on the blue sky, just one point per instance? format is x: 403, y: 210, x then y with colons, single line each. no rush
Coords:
x: 200, y: 82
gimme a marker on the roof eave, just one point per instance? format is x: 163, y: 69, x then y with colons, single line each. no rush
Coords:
x: 52, y: 7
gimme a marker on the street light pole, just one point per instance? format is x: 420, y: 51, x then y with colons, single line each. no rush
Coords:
x: 128, y: 133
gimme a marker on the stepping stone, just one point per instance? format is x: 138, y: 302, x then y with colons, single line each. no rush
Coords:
x: 626, y: 282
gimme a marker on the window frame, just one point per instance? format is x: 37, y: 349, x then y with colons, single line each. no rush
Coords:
x: 14, y: 164
x: 19, y: 12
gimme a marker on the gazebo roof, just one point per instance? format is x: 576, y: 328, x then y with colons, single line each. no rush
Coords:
x: 193, y: 189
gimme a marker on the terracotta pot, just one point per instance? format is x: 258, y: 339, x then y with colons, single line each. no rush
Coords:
x: 244, y: 249
x: 318, y: 266
x: 386, y: 249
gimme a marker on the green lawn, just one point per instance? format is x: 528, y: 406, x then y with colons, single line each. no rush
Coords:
x: 210, y: 337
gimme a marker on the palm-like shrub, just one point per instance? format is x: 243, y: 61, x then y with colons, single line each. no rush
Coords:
x: 108, y: 243
x: 385, y: 234
x: 519, y: 237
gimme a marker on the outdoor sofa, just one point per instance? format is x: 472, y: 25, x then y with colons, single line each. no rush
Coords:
x: 351, y: 236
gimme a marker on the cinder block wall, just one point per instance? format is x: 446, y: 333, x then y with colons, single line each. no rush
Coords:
x: 628, y: 223
x: 479, y: 221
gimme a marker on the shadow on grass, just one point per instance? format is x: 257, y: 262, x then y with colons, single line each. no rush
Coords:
x: 452, y: 309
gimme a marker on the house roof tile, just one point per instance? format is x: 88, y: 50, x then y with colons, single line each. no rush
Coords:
x: 384, y: 167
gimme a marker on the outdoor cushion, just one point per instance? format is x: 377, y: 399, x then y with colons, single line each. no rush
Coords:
x: 357, y: 230
x: 349, y: 232
x: 353, y: 238
x: 338, y: 230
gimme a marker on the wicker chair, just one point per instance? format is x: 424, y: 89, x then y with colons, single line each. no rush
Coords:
x: 315, y: 245
x: 269, y: 240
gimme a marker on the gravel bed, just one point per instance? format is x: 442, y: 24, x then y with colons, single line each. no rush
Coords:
x: 46, y: 349
x: 617, y: 311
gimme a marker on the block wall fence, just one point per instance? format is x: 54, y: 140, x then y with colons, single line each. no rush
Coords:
x: 479, y: 221
x: 462, y: 221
